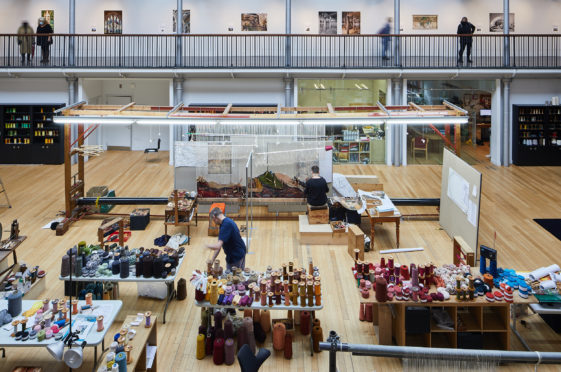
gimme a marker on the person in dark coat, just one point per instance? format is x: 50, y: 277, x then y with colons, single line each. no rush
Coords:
x: 316, y: 189
x: 385, y: 39
x: 465, y: 28
x: 44, y: 41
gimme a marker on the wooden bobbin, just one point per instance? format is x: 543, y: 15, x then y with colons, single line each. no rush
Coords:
x: 128, y: 349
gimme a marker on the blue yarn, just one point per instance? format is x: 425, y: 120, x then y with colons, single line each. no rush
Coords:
x: 121, y: 360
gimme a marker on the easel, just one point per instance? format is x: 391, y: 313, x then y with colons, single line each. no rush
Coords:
x: 102, y: 228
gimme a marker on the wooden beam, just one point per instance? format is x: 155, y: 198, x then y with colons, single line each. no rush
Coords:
x: 227, y: 109
x: 330, y: 108
x: 126, y: 107
x: 416, y: 107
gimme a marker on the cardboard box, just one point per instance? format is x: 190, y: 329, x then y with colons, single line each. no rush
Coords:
x: 140, y: 218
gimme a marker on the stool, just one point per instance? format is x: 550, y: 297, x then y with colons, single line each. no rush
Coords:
x: 318, y: 215
x: 213, y: 229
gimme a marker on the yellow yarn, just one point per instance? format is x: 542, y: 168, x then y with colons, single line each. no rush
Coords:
x: 201, y: 346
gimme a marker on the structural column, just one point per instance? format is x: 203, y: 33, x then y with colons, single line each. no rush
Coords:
x: 176, y: 131
x: 71, y: 31
x: 506, y: 126
x: 396, y: 23
x: 179, y: 31
x: 288, y: 92
x: 506, y: 31
x: 397, y: 130
x: 288, y: 31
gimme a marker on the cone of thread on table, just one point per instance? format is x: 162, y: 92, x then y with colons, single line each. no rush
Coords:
x: 201, y: 353
x: 121, y: 361
x: 265, y: 321
x: 218, y: 351
x: 228, y: 329
x: 218, y: 320
x: 242, y: 337
x: 260, y: 335
x: 256, y: 315
x: 181, y: 289
x: 317, y: 337
x: 279, y: 332
x: 305, y: 322
x: 368, y: 312
x: 209, y: 345
x: 248, y: 325
x: 288, y: 346
x: 15, y: 303
x: 229, y: 352
x: 124, y: 268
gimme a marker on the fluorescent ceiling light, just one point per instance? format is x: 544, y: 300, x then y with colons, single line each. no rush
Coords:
x: 322, y: 86
x: 364, y: 86
x: 260, y: 122
x: 316, y: 86
x: 174, y: 121
x: 358, y: 86
x: 91, y: 120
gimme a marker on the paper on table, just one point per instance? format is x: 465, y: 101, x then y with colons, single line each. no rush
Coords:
x: 150, y: 355
x: 472, y: 213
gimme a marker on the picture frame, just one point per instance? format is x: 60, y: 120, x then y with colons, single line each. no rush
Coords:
x: 425, y: 21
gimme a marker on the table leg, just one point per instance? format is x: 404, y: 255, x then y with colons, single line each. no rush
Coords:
x: 372, y: 233
x: 397, y: 231
x: 515, y: 331
x: 95, y: 364
x: 171, y: 294
x: 311, y: 334
x: 3, y: 352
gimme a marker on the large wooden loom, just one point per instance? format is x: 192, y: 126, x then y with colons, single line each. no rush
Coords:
x: 74, y: 184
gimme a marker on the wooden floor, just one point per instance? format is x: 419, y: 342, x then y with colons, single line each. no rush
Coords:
x: 512, y: 197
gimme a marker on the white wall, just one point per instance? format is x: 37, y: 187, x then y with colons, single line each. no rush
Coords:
x: 29, y: 91
x: 258, y: 90
x: 214, y: 16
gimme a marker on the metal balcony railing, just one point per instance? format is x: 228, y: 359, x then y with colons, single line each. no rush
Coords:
x: 265, y: 51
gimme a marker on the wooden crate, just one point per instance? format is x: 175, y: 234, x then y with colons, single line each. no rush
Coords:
x: 461, y: 250
x: 356, y: 241
x: 318, y: 216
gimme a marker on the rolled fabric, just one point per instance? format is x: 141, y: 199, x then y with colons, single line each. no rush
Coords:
x: 368, y: 312
x: 279, y: 333
x: 265, y: 321
x: 317, y: 337
x: 260, y: 335
x: 124, y: 268
x: 288, y: 346
x: 65, y: 266
x: 548, y: 284
x: 543, y: 271
x: 218, y: 320
x: 229, y: 352
x: 201, y: 353
x: 15, y: 303
x: 305, y: 322
x: 248, y: 325
x: 218, y: 351
x: 228, y: 329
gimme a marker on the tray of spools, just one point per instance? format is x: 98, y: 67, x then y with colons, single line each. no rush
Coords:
x: 29, y: 281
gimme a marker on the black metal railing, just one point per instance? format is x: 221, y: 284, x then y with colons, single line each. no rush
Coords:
x: 263, y: 51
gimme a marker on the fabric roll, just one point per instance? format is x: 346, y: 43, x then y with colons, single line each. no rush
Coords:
x: 543, y: 271
x: 368, y: 312
x: 201, y: 353
x: 218, y: 351
x: 279, y: 333
x: 181, y: 289
x: 288, y: 346
x: 265, y: 321
x: 218, y: 320
x: 124, y: 268
x: 305, y: 319
x: 115, y: 267
x: 15, y: 303
x: 317, y: 337
x: 65, y: 266
x: 248, y: 325
x: 229, y: 352
x: 228, y: 329
x: 260, y: 335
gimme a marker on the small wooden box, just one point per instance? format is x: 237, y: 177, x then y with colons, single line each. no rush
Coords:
x: 385, y: 213
x: 318, y: 216
x: 336, y: 230
x: 356, y: 241
x: 462, y: 251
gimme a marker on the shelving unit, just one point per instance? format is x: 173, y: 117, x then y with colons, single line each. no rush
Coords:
x: 352, y: 152
x: 536, y: 135
x: 29, y: 135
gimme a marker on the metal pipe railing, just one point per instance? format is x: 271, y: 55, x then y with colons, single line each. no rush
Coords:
x: 296, y: 51
x: 334, y: 345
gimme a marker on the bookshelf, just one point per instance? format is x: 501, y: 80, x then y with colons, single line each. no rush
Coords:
x: 536, y: 135
x: 355, y: 152
x: 29, y: 135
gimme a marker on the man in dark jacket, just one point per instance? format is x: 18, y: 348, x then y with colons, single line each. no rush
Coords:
x: 465, y: 28
x: 385, y: 39
x: 44, y: 41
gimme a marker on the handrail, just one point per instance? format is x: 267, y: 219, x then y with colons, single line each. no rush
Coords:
x: 263, y: 34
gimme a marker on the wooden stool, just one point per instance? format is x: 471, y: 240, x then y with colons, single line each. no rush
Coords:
x: 318, y: 215
x: 214, y: 229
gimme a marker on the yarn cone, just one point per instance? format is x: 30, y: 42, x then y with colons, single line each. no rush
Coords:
x: 218, y: 352
x: 248, y: 313
x: 288, y: 346
x: 201, y: 352
x: 242, y: 337
x: 248, y: 325
x: 181, y: 289
x: 218, y: 320
x: 279, y: 333
x: 256, y: 316
x: 228, y: 329
x: 260, y: 336
x: 317, y: 337
x: 229, y: 352
x: 305, y: 321
x: 265, y: 321
x: 361, y: 313
x: 316, y: 322
x: 368, y: 312
x: 297, y: 315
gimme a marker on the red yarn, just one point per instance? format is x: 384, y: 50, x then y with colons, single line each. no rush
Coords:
x: 305, y: 322
x: 288, y: 346
x: 368, y: 312
x: 218, y: 352
x: 404, y: 272
x: 361, y: 312
x: 381, y: 289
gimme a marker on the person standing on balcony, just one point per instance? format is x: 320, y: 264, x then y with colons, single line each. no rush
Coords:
x: 44, y: 41
x: 385, y: 39
x: 465, y: 28
x: 25, y: 42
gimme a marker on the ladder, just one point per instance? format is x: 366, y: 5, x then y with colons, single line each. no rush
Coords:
x: 3, y: 190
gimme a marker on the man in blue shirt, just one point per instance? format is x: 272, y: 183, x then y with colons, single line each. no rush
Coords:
x: 385, y: 39
x: 230, y: 239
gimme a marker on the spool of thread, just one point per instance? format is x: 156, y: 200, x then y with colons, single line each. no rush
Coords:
x: 147, y: 316
x: 89, y: 299
x: 415, y: 277
x: 78, y: 266
x: 209, y: 343
x: 488, y: 279
x: 270, y: 296
x: 381, y: 289
x: 305, y: 322
x: 279, y: 333
x: 181, y: 289
x: 128, y: 350
x: 228, y: 329
x: 147, y: 266
x: 74, y: 307
x: 288, y: 346
x: 229, y: 352
x: 138, y: 266
x: 265, y: 321
x: 115, y: 267
x: 218, y: 351
x: 124, y: 268
x: 218, y: 320
x: 213, y: 292
x: 404, y: 272
x: 368, y: 312
x: 121, y: 361
x: 100, y: 323
x: 65, y: 266
x: 317, y: 337
x: 15, y: 303
x: 248, y: 325
x: 242, y: 337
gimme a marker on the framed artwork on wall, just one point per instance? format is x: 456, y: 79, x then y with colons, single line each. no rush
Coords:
x: 254, y: 21
x: 497, y: 20
x: 49, y: 17
x: 113, y: 22
x: 186, y: 21
x: 327, y: 23
x: 351, y: 23
x: 425, y: 22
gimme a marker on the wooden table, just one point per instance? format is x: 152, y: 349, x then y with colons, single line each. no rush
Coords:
x: 181, y: 216
x: 144, y: 336
x: 376, y: 218
x: 479, y: 316
x: 8, y: 247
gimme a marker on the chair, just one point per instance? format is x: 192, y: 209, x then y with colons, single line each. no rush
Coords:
x: 156, y: 150
x: 248, y: 361
x: 420, y: 144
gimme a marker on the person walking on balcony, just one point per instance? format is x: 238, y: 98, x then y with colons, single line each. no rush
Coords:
x: 25, y: 42
x: 44, y: 41
x: 385, y: 39
x: 465, y: 28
